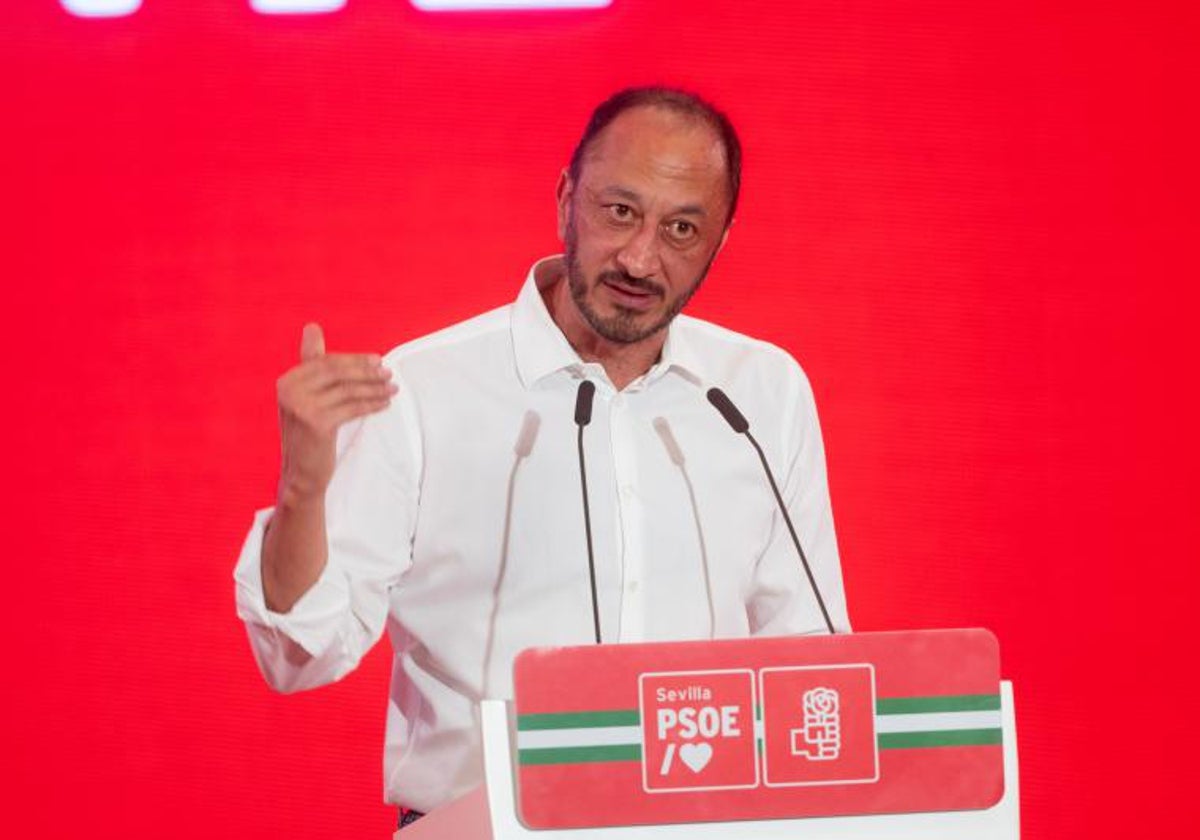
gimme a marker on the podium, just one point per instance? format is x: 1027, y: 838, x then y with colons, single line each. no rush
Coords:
x: 972, y: 772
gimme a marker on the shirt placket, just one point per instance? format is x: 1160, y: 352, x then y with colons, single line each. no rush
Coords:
x: 629, y: 523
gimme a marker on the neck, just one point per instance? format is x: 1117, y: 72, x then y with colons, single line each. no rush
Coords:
x: 622, y: 362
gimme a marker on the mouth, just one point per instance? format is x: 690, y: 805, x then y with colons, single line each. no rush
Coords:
x: 630, y: 296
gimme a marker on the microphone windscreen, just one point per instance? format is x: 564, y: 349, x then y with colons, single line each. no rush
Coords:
x: 728, y: 410
x: 664, y: 432
x: 583, y: 402
x: 529, y: 429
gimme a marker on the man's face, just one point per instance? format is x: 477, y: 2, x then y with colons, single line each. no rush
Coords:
x: 644, y: 222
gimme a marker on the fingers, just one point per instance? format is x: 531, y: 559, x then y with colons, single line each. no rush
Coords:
x: 333, y: 370
x: 316, y: 396
x: 325, y: 389
x: 322, y: 392
x: 353, y: 392
x: 312, y: 342
x: 352, y: 409
x: 325, y: 411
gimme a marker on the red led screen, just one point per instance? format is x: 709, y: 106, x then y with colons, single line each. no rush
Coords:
x: 973, y: 223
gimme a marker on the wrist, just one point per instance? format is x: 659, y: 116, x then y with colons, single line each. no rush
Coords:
x: 298, y: 496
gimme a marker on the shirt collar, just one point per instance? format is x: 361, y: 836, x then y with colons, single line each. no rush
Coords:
x: 541, y: 349
x: 679, y: 353
x: 539, y: 345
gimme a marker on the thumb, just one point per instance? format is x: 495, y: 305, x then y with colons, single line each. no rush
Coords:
x: 312, y: 342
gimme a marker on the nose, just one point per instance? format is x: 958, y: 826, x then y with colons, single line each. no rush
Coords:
x: 639, y: 256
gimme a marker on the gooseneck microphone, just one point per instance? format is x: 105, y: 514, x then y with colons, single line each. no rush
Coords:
x: 741, y: 425
x: 583, y: 416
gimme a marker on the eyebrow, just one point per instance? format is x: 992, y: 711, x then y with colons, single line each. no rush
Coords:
x: 631, y: 196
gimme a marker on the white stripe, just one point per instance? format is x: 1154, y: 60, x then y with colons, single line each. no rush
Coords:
x: 938, y: 721
x: 587, y: 736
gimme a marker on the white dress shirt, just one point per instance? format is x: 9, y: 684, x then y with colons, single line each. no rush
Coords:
x: 455, y: 522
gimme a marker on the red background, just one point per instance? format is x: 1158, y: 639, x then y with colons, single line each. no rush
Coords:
x: 973, y: 223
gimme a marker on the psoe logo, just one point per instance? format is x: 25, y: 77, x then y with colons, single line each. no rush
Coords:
x: 698, y: 730
x: 818, y: 725
x: 820, y: 738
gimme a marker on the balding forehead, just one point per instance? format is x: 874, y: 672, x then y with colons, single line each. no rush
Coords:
x: 660, y: 121
x: 689, y: 112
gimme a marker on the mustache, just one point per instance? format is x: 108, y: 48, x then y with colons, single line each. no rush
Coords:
x: 639, y: 283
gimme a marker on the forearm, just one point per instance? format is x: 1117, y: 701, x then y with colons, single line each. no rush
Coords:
x: 294, y: 550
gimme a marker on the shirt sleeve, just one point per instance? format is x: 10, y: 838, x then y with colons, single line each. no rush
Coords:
x: 370, y: 511
x: 781, y: 600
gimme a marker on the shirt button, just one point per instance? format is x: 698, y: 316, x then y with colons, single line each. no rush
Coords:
x: 618, y: 401
x: 632, y: 586
x: 626, y: 491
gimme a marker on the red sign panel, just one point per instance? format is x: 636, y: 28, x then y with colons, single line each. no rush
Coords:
x: 866, y: 723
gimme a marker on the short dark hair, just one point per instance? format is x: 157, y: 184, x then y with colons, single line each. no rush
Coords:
x: 677, y: 101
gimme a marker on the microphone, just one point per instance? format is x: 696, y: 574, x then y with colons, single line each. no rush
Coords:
x: 583, y: 402
x: 736, y: 420
x: 528, y: 434
x: 741, y: 425
x: 583, y: 416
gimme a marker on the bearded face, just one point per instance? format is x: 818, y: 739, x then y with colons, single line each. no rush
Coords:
x: 639, y: 307
x: 642, y: 221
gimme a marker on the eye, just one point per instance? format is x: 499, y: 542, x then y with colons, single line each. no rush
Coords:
x: 681, y: 230
x: 619, y: 212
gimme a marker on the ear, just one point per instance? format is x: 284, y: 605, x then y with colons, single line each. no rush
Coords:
x: 562, y: 196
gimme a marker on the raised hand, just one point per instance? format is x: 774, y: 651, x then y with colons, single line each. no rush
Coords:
x: 315, y: 397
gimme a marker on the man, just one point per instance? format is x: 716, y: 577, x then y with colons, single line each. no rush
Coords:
x: 449, y: 510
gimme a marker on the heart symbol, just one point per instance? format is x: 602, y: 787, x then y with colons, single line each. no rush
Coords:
x: 696, y: 756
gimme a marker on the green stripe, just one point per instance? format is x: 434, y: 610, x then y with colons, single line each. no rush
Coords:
x: 580, y: 755
x: 949, y: 738
x: 959, y: 703
x: 579, y: 720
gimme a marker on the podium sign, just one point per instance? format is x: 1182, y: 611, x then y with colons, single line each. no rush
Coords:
x: 649, y: 734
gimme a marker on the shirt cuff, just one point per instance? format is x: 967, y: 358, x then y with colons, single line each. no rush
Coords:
x: 313, y: 621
